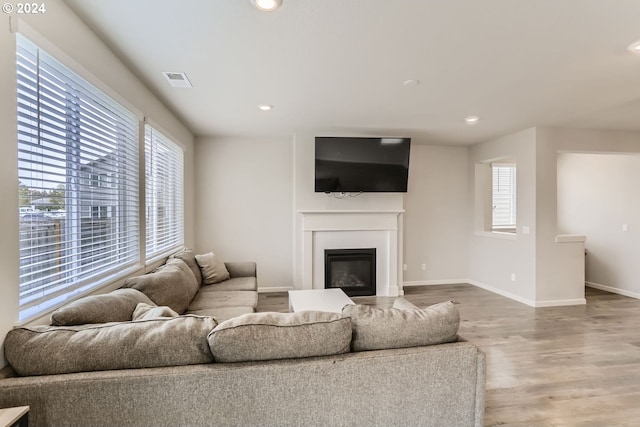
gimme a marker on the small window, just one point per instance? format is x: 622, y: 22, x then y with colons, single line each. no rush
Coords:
x: 164, y: 169
x: 503, y: 197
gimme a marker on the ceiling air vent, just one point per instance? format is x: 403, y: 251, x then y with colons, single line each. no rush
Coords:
x: 177, y: 79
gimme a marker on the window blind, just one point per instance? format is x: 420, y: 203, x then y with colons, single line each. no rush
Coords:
x: 164, y: 172
x: 503, y: 196
x: 78, y: 176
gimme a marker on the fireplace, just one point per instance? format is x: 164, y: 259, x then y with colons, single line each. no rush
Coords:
x: 352, y: 270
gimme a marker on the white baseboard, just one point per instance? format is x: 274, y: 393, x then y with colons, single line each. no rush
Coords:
x: 613, y: 290
x: 275, y: 289
x: 509, y: 295
x: 561, y: 302
x: 530, y: 303
x: 470, y: 282
x: 434, y: 282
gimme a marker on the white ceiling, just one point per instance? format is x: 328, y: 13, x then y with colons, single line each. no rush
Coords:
x: 338, y: 66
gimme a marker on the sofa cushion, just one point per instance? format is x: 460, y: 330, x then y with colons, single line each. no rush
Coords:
x: 376, y: 328
x: 222, y: 314
x: 212, y: 267
x: 145, y: 311
x: 115, y: 306
x: 45, y: 350
x: 189, y: 257
x: 233, y: 284
x: 173, y: 285
x: 241, y: 268
x: 266, y: 336
x: 223, y: 299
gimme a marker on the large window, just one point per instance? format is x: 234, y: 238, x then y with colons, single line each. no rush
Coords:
x: 503, y: 197
x: 164, y: 170
x: 78, y: 171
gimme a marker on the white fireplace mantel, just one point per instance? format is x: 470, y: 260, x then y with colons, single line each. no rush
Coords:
x: 350, y: 229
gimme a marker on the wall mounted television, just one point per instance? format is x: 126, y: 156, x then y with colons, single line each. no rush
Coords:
x: 351, y: 165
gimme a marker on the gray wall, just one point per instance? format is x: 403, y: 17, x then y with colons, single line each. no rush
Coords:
x: 436, y: 215
x: 597, y: 194
x: 249, y: 192
x: 495, y: 260
x: 545, y: 272
x: 550, y: 142
x: 244, y: 208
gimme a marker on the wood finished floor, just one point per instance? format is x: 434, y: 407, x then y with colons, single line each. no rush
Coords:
x: 552, y: 367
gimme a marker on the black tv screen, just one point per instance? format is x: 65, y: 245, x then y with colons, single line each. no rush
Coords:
x: 352, y: 165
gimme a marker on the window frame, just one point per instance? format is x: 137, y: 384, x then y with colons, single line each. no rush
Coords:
x: 172, y: 239
x: 103, y: 182
x: 505, y: 203
x: 32, y: 87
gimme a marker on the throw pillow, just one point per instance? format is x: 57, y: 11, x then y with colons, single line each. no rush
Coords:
x: 267, y: 336
x: 173, y: 285
x: 213, y: 268
x: 48, y: 350
x: 376, y: 328
x: 189, y: 257
x: 116, y: 306
x: 145, y: 311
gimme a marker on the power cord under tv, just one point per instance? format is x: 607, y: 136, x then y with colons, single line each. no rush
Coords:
x: 342, y: 195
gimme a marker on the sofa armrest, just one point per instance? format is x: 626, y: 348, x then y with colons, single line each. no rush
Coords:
x: 241, y: 269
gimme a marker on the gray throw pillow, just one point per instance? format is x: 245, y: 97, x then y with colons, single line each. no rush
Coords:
x: 189, y: 257
x: 213, y: 268
x: 266, y: 336
x: 172, y: 285
x: 376, y: 328
x: 116, y: 306
x: 47, y: 350
x: 145, y: 311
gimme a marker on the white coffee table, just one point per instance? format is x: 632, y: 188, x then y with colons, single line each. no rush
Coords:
x: 14, y: 417
x: 331, y: 300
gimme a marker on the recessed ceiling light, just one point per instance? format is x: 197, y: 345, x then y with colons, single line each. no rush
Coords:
x: 472, y: 120
x: 411, y: 82
x: 265, y: 107
x: 266, y: 5
x: 635, y: 47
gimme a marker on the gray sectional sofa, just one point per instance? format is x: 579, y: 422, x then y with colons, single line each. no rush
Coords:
x: 196, y: 354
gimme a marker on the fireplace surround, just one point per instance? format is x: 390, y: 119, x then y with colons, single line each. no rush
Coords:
x: 344, y: 229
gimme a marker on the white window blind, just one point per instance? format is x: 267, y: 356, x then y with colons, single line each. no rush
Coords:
x: 164, y: 168
x: 78, y: 175
x: 504, y: 196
